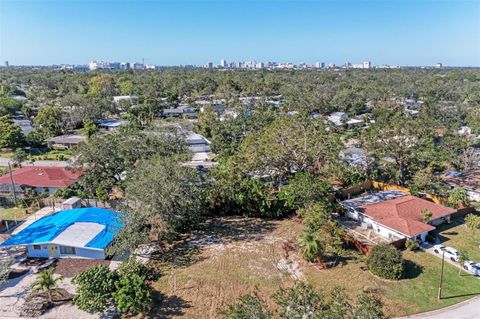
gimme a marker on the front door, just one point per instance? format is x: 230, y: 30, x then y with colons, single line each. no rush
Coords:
x: 51, y: 249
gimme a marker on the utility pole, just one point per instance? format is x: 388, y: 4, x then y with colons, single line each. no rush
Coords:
x: 13, y: 183
x: 441, y: 277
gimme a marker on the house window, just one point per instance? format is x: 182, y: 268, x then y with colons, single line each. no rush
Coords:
x: 37, y: 247
x: 65, y: 250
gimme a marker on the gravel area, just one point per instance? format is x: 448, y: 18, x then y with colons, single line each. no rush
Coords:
x: 15, y: 291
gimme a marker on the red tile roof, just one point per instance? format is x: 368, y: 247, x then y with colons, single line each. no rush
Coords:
x: 42, y: 176
x: 404, y: 214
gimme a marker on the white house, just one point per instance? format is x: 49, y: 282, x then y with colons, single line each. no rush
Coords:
x: 396, y: 215
x: 73, y: 233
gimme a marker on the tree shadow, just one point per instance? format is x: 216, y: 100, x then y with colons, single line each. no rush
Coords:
x: 462, y: 295
x: 167, y: 306
x: 412, y: 270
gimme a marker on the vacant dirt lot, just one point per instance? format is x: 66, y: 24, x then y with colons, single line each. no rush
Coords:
x: 235, y: 256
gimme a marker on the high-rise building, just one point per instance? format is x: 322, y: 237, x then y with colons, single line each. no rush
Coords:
x: 138, y: 66
x: 320, y: 65
x: 6, y: 64
x: 223, y: 63
x: 125, y: 65
x: 367, y: 64
x: 210, y: 65
x: 438, y: 65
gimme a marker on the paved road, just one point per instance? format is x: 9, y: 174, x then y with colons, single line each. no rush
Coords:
x: 469, y: 309
x: 4, y: 162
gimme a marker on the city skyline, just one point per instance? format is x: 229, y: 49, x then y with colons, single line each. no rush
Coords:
x: 406, y: 33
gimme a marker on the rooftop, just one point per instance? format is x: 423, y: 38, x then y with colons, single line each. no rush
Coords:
x: 42, y: 176
x: 82, y: 227
x: 404, y: 213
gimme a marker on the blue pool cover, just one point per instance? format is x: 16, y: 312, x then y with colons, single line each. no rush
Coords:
x: 47, y: 228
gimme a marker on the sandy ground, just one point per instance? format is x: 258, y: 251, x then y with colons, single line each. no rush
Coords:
x: 14, y: 293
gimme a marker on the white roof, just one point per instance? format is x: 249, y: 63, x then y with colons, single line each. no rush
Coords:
x: 78, y: 234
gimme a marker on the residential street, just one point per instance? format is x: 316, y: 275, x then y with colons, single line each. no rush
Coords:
x: 4, y: 162
x: 469, y: 309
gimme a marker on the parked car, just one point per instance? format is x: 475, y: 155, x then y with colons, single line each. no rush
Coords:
x: 472, y: 267
x: 450, y: 252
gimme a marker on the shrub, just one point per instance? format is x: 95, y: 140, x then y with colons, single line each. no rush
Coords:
x: 369, y: 306
x: 458, y: 198
x: 301, y: 301
x: 131, y: 294
x: 411, y: 245
x: 472, y: 221
x: 385, y: 261
x: 311, y: 246
x: 248, y: 307
x: 132, y: 266
x: 94, y: 288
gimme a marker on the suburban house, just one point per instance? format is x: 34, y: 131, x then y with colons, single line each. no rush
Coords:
x: 65, y: 141
x: 354, y: 156
x: 73, y: 233
x: 111, y: 124
x: 132, y: 100
x: 469, y: 181
x: 341, y: 119
x: 41, y: 179
x: 196, y: 143
x: 395, y: 215
x: 184, y: 110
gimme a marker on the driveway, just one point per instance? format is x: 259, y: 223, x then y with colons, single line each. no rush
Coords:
x: 429, y: 249
x: 469, y: 309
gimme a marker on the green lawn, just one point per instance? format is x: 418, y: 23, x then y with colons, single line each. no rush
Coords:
x: 459, y: 236
x: 419, y: 294
x: 13, y: 213
x: 7, y: 154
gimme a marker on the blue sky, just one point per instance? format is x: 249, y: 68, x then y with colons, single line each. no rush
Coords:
x: 404, y: 32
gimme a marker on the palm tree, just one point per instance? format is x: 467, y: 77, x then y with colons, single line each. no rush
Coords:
x: 426, y: 215
x: 312, y: 247
x: 46, y: 282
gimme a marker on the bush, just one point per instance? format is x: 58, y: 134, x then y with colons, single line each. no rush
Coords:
x: 472, y: 221
x: 94, y: 288
x: 132, y: 294
x: 385, y: 261
x: 411, y: 245
x: 458, y: 198
x: 132, y: 266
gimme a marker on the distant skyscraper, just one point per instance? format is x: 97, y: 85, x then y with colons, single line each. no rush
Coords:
x: 6, y: 64
x: 210, y: 65
x: 125, y: 65
x: 320, y: 65
x: 367, y: 64
x: 138, y: 66
x: 223, y: 63
x: 438, y: 65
